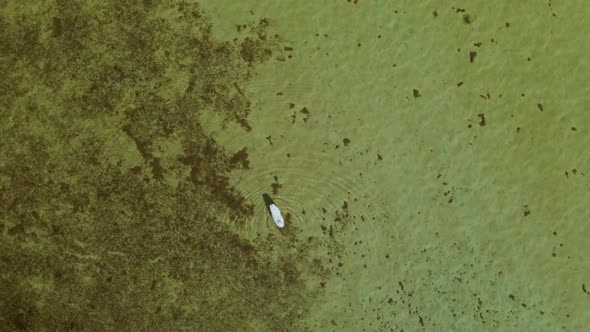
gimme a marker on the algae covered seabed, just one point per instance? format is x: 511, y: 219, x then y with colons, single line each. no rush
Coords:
x: 431, y: 161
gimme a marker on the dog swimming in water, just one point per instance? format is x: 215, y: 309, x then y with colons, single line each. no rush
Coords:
x: 274, y: 211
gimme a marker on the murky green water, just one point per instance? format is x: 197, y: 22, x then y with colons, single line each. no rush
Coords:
x: 430, y: 158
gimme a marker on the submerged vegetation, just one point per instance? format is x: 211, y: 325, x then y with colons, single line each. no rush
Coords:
x: 111, y: 193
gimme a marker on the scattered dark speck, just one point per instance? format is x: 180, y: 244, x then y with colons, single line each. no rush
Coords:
x: 305, y: 112
x: 379, y: 157
x: 482, y: 121
x: 472, y: 56
x: 466, y: 19
x: 435, y: 14
x: 276, y: 186
x: 507, y: 24
x: 416, y: 93
x: 540, y: 106
x: 346, y: 141
x: 460, y: 83
x: 526, y: 212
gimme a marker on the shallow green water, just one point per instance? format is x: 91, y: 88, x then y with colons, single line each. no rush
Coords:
x: 431, y: 160
x: 479, y: 223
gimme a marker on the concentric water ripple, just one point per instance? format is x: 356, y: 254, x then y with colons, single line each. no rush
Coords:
x: 308, y: 185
